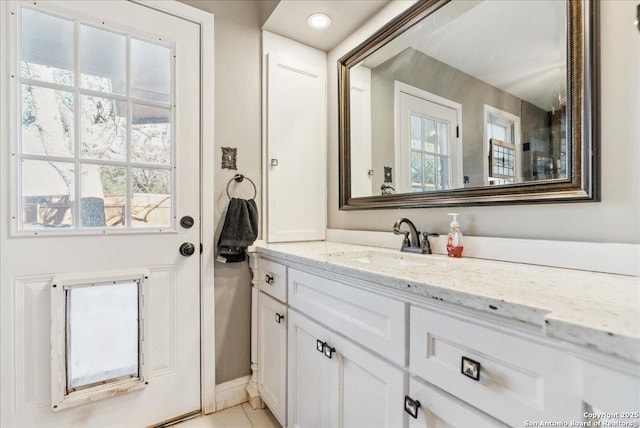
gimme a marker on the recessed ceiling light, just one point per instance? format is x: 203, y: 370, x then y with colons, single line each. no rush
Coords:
x: 319, y: 21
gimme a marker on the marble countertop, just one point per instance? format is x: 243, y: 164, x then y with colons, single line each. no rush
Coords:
x: 597, y: 310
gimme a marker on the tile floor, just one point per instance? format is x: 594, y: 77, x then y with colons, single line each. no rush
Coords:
x: 241, y: 416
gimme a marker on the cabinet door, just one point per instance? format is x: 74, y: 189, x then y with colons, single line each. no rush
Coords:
x: 296, y: 143
x: 272, y: 355
x: 440, y: 410
x: 311, y: 375
x: 611, y: 391
x: 370, y: 390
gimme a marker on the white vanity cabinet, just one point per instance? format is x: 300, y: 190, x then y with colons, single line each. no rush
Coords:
x: 335, y: 383
x: 271, y: 278
x: 360, y: 353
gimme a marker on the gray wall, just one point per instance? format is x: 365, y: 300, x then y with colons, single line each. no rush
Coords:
x: 615, y: 219
x: 237, y: 124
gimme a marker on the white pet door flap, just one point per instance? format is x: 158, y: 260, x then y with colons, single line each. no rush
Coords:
x: 97, y: 336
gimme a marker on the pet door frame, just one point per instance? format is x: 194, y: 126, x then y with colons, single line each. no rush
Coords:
x: 61, y: 398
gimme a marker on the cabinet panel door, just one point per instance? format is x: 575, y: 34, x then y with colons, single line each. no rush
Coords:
x: 370, y: 390
x: 310, y: 375
x: 441, y: 410
x: 272, y: 355
x: 296, y: 147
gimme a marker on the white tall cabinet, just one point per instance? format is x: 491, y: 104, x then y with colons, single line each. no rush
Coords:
x: 295, y: 140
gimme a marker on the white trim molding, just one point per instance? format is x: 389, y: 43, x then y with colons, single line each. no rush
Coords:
x: 232, y: 393
x: 607, y: 257
x: 207, y: 161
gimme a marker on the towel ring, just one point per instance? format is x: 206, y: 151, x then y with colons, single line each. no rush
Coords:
x: 238, y: 178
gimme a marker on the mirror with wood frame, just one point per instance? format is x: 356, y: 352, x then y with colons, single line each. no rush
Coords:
x: 472, y: 102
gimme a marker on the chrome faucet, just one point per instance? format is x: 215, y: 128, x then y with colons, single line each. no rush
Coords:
x: 411, y: 245
x: 411, y: 242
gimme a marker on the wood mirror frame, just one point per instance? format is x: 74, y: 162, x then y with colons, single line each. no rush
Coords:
x: 582, y: 183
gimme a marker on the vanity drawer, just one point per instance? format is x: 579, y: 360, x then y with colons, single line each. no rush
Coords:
x: 272, y: 279
x: 369, y: 319
x: 519, y: 378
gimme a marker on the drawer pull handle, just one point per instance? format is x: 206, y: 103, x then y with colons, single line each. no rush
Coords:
x: 325, y: 348
x: 328, y: 351
x: 268, y: 279
x: 411, y: 406
x: 470, y: 368
x: 279, y: 318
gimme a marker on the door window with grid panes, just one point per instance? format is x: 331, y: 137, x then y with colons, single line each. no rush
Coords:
x: 429, y: 153
x: 95, y: 140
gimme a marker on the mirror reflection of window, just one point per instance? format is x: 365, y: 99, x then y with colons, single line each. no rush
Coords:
x: 428, y: 145
x: 502, y: 148
x: 429, y: 153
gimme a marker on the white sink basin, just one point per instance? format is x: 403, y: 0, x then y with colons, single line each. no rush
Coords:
x: 381, y: 258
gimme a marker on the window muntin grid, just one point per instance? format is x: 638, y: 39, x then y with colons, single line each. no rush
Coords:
x: 123, y: 182
x: 502, y: 154
x: 430, y: 153
x: 503, y: 162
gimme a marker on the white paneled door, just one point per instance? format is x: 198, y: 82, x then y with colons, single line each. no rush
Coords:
x: 100, y: 289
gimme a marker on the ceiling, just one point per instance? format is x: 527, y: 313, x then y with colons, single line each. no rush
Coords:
x: 289, y: 19
x: 517, y: 46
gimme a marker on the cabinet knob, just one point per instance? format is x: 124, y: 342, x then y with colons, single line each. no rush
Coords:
x: 470, y: 368
x: 279, y: 318
x: 411, y: 406
x: 268, y: 279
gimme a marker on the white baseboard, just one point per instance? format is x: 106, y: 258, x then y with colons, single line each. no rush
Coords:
x: 623, y: 259
x: 232, y: 393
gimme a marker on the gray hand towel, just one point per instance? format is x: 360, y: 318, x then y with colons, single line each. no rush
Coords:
x: 240, y: 230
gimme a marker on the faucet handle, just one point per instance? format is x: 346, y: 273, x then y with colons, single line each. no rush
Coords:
x: 426, y: 245
x: 406, y: 242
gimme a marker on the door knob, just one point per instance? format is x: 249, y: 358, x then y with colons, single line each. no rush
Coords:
x: 187, y: 249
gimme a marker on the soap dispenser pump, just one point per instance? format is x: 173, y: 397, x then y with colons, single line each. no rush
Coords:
x: 454, y: 240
